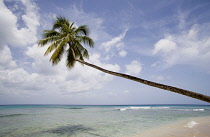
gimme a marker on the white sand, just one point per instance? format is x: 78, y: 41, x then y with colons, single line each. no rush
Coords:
x: 193, y: 127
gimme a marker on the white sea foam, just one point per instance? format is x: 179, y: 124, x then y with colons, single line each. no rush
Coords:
x: 123, y: 109
x: 160, y: 107
x: 191, y: 124
x: 134, y: 108
x: 188, y: 109
x: 198, y: 109
x: 137, y: 108
x: 149, y: 107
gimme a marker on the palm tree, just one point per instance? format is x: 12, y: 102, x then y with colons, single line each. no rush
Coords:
x: 64, y: 37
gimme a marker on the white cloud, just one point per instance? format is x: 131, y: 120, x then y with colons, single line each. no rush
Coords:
x: 13, y: 79
x: 31, y: 17
x: 165, y: 46
x: 40, y: 63
x: 18, y: 82
x: 6, y: 60
x: 57, y: 80
x: 134, y: 68
x: 122, y: 53
x: 190, y: 47
x: 115, y: 42
x: 10, y: 33
x: 80, y: 78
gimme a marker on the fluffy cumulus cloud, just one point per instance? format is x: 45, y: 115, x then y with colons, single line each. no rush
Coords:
x: 53, y: 80
x: 10, y: 31
x: 6, y: 61
x: 19, y: 82
x: 80, y: 78
x: 134, y: 68
x: 188, y: 47
x: 164, y: 46
x: 14, y: 79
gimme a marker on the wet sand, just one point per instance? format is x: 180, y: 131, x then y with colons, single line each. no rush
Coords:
x: 193, y: 127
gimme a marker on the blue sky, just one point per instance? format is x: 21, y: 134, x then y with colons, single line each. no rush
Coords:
x: 162, y: 41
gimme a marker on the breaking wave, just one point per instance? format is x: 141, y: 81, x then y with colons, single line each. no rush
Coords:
x: 137, y: 108
x: 155, y: 108
x: 191, y: 124
x: 190, y: 109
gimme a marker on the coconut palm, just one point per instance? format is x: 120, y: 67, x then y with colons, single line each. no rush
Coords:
x: 64, y: 37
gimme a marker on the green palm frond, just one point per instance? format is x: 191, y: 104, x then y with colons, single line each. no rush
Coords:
x: 83, y: 52
x: 86, y: 54
x: 47, y: 40
x: 70, y: 60
x: 50, y: 33
x: 52, y: 47
x: 57, y: 55
x: 63, y: 34
x: 82, y: 30
x: 59, y: 22
x: 78, y: 53
x: 64, y: 29
x: 71, y: 26
x: 86, y: 40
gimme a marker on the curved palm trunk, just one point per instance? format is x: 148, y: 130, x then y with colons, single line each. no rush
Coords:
x: 154, y: 84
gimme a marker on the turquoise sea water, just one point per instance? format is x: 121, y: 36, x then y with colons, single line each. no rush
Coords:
x: 90, y: 121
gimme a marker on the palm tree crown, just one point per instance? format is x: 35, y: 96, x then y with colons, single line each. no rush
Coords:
x: 65, y: 37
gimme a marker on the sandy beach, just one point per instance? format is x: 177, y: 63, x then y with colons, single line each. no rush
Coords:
x: 193, y: 127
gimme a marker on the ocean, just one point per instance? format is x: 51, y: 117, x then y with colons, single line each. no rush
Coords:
x: 91, y: 121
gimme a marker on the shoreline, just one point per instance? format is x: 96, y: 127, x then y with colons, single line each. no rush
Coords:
x: 192, y: 127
